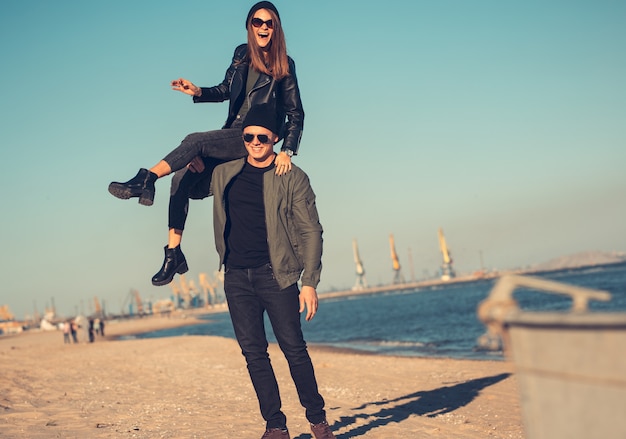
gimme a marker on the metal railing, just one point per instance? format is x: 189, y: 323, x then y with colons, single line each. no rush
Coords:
x: 500, y: 304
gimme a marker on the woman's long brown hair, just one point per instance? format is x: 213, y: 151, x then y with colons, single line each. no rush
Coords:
x: 275, y: 63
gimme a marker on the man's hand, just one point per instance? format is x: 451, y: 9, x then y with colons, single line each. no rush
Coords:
x: 186, y: 87
x: 196, y: 164
x: 308, y: 298
x: 283, y: 163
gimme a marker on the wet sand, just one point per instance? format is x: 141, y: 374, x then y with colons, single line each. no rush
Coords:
x: 198, y: 387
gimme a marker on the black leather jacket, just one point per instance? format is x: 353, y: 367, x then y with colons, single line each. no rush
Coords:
x: 284, y: 95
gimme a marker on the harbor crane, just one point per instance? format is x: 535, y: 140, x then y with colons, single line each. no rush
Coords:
x: 361, y: 283
x: 5, y: 313
x: 209, y: 286
x: 99, y: 311
x: 186, y: 291
x: 447, y: 272
x: 133, y: 295
x: 176, y: 292
x: 398, y: 278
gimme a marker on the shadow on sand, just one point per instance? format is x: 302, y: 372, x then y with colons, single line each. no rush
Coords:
x: 423, y: 403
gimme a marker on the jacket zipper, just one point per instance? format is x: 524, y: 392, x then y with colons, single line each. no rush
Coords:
x: 255, y: 88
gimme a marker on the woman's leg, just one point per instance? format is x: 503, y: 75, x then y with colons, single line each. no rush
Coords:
x: 223, y: 144
x: 185, y: 185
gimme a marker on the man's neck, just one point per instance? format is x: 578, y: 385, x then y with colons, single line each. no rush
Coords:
x: 262, y: 164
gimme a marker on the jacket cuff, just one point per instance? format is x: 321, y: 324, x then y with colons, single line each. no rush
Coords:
x: 200, y: 98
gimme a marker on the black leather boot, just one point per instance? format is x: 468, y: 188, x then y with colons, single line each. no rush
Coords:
x: 174, y: 263
x: 141, y: 185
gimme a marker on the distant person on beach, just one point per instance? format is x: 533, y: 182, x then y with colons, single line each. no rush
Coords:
x: 74, y: 331
x: 91, y: 332
x: 66, y: 332
x: 260, y: 72
x: 268, y: 237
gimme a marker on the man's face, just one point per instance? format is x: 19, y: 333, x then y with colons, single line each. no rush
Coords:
x: 260, y: 150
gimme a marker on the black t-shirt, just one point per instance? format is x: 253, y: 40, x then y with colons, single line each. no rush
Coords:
x: 246, y: 234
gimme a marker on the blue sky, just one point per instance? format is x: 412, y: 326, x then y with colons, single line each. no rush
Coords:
x: 502, y: 122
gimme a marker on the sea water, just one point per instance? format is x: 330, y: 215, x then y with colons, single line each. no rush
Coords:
x: 438, y: 321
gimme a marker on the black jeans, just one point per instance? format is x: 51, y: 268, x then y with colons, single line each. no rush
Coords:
x: 250, y: 292
x: 214, y: 147
x: 188, y: 185
x: 225, y: 144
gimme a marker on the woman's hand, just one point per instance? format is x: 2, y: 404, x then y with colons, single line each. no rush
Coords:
x: 282, y: 163
x: 196, y: 164
x: 186, y: 87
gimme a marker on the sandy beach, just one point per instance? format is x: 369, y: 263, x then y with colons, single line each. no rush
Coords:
x: 198, y: 387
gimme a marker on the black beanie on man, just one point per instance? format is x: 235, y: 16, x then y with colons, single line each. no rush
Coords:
x: 262, y: 115
x: 261, y: 5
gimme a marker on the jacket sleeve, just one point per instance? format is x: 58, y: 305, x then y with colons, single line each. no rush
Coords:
x: 309, y: 229
x: 292, y: 107
x: 221, y: 92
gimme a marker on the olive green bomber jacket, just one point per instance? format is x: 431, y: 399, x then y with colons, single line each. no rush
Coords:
x: 294, y: 233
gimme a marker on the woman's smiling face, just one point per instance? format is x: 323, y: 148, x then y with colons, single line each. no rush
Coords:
x: 263, y: 34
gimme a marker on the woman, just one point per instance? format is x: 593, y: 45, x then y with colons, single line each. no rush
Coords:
x: 260, y: 72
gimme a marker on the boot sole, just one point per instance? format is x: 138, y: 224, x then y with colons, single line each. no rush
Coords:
x: 146, y: 198
x: 182, y: 269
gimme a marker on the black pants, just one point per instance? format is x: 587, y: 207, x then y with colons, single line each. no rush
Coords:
x: 188, y: 185
x: 251, y: 293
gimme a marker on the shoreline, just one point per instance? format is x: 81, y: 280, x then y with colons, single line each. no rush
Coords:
x: 118, y: 328
x: 142, y: 326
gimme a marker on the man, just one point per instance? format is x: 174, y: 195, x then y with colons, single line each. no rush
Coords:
x: 268, y: 237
